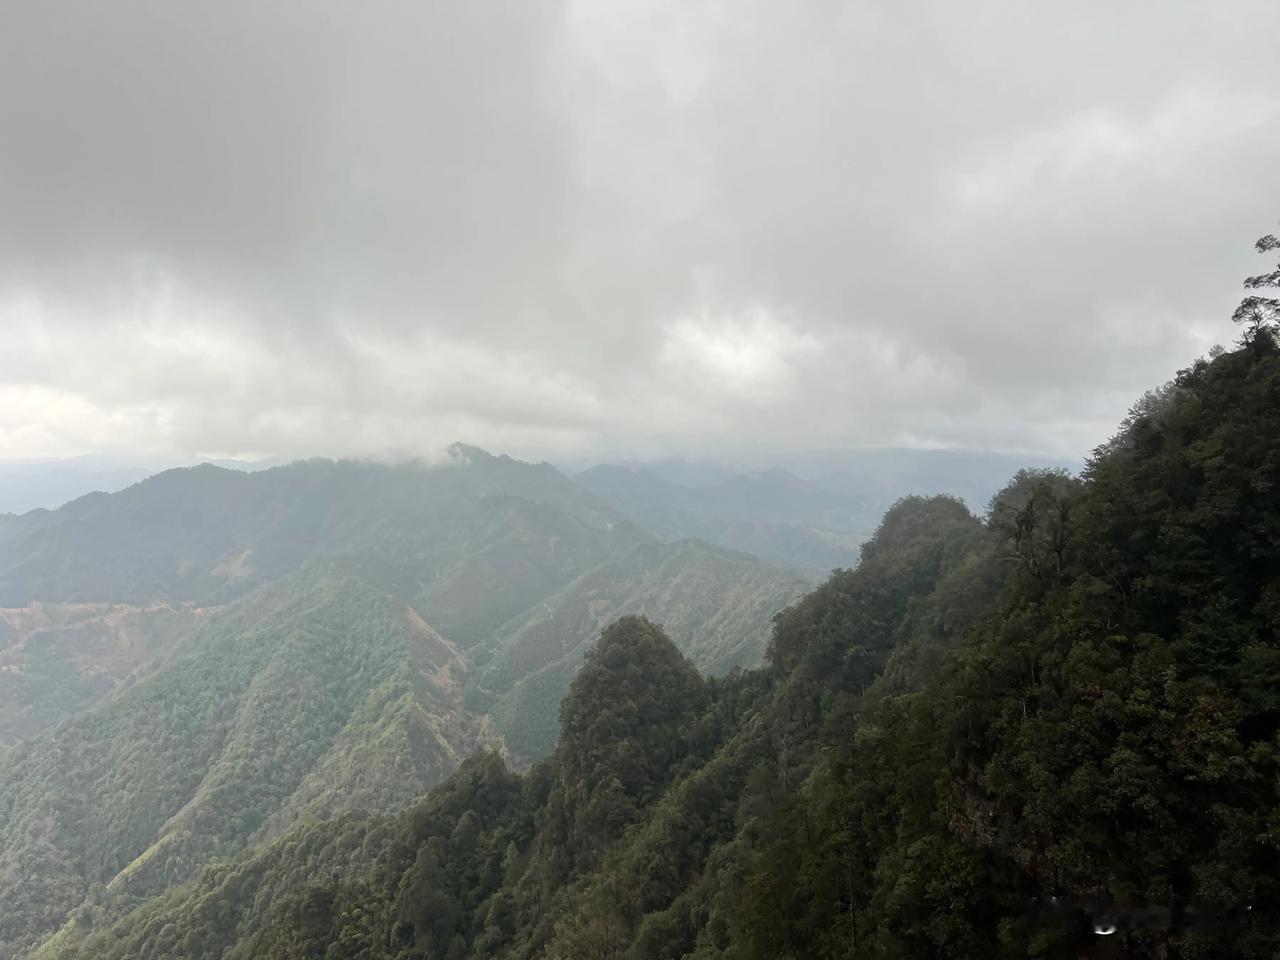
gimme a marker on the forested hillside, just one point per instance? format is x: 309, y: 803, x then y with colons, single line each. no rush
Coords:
x: 195, y: 664
x: 316, y: 695
x: 986, y: 741
x: 59, y: 659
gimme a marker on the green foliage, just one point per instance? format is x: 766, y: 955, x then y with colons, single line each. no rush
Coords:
x: 1259, y: 315
x: 625, y: 724
x: 59, y: 660
x: 313, y: 696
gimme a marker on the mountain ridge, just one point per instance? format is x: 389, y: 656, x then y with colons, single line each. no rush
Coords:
x: 269, y: 710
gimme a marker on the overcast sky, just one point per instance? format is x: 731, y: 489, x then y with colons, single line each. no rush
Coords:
x: 619, y: 229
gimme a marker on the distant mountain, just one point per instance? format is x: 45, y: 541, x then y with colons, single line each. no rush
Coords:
x: 880, y: 476
x: 48, y: 484
x: 811, y: 516
x: 772, y: 514
x: 687, y: 473
x: 769, y: 496
x: 206, y: 534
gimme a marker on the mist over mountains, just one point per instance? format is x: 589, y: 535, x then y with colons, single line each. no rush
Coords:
x: 471, y: 710
x: 814, y: 519
x: 810, y: 517
x: 649, y: 480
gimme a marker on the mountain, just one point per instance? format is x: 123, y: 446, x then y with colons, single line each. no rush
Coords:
x: 687, y: 473
x: 773, y: 496
x: 717, y: 604
x: 813, y: 524
x: 810, y: 516
x: 772, y: 514
x: 1051, y: 733
x: 198, y: 663
x: 206, y: 534
x: 48, y: 484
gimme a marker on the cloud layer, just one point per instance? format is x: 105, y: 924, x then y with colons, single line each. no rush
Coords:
x: 645, y: 228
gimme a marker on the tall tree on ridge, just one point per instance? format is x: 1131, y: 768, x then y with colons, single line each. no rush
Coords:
x: 1260, y: 314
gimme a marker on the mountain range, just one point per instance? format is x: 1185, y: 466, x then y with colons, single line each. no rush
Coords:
x: 1050, y: 732
x: 809, y: 515
x: 772, y: 514
x: 197, y: 662
x: 475, y: 710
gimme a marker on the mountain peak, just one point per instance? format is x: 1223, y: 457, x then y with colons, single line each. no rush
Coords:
x: 635, y: 681
x: 465, y: 453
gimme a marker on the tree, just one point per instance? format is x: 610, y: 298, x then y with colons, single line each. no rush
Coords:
x: 1259, y: 314
x: 1032, y: 514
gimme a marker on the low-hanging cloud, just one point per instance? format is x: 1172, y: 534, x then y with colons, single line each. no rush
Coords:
x: 658, y: 227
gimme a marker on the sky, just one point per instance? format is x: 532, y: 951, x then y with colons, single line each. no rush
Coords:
x: 640, y: 229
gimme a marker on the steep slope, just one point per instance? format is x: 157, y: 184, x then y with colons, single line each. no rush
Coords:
x: 1097, y: 748
x: 715, y: 604
x: 1105, y: 746
x: 314, y: 695
x: 59, y: 659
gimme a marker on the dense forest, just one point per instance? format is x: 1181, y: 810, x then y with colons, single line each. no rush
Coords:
x: 1053, y: 731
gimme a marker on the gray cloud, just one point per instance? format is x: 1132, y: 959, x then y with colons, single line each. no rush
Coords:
x: 655, y: 227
